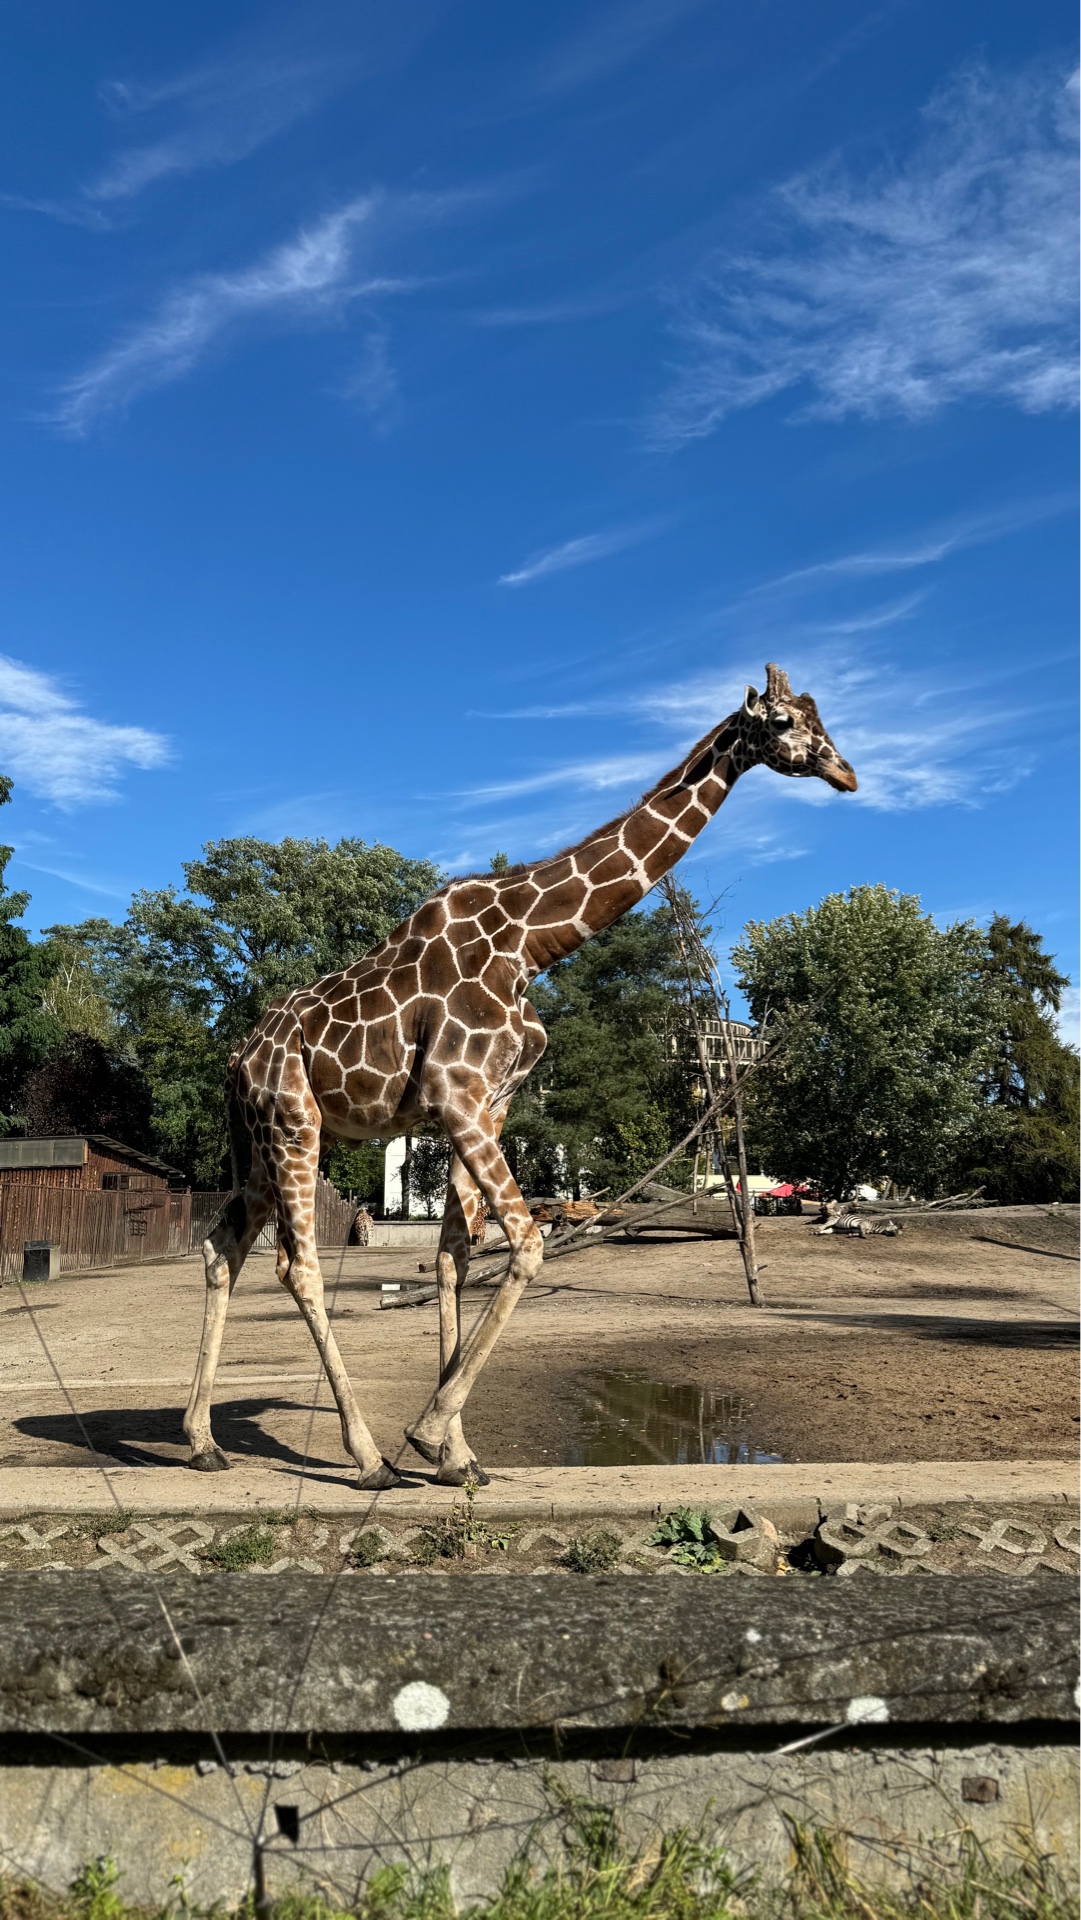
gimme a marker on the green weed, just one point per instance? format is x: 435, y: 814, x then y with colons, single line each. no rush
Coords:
x: 457, y: 1533
x: 686, y: 1532
x: 93, y: 1890
x: 674, y: 1876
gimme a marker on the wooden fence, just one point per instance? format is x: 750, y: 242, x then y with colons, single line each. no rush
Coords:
x: 333, y: 1218
x: 124, y: 1228
x: 92, y: 1229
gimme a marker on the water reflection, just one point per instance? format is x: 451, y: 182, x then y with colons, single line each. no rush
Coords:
x: 627, y: 1420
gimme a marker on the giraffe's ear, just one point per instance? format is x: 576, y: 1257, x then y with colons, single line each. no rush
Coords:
x: 751, y: 701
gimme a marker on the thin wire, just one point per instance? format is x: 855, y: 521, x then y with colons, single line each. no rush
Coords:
x: 362, y: 1521
x: 151, y: 1786
x: 145, y: 1571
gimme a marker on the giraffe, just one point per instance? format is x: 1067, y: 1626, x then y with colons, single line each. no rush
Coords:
x: 433, y: 1027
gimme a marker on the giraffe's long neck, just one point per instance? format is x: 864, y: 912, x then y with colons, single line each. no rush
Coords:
x: 589, y: 886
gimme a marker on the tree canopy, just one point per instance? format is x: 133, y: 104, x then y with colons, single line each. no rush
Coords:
x: 1024, y: 1146
x: 28, y: 1030
x: 892, y: 1026
x: 187, y: 975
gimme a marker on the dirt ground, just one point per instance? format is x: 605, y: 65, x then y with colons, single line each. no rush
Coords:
x: 954, y: 1341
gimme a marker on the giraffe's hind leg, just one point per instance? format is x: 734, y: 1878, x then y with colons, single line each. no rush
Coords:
x: 455, y: 1458
x: 224, y: 1252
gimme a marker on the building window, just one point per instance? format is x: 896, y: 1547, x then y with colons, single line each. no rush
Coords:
x: 115, y: 1182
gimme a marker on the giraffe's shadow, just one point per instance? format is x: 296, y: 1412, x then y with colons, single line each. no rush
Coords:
x: 131, y: 1436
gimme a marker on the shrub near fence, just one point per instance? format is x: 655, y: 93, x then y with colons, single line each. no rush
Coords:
x: 333, y: 1218
x: 92, y: 1229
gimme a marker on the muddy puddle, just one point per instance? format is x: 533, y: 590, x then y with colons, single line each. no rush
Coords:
x: 628, y: 1420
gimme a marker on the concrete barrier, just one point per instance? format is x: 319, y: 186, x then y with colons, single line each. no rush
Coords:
x: 422, y: 1233
x: 307, y: 1729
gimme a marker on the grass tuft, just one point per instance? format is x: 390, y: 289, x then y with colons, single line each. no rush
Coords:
x: 675, y: 1875
x: 367, y: 1549
x: 594, y: 1552
x: 254, y: 1546
x: 96, y: 1526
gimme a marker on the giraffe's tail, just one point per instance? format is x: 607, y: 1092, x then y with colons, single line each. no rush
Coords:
x: 240, y: 1148
x: 240, y: 1152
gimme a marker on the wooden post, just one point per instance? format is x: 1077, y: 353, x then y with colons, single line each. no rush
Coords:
x: 696, y: 960
x: 750, y: 1254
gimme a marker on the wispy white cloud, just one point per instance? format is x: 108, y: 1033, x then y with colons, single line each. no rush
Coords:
x: 72, y: 213
x: 948, y: 276
x: 213, y: 116
x: 927, y: 549
x: 314, y: 272
x: 51, y: 748
x: 373, y: 385
x: 576, y: 553
x: 546, y: 313
x: 225, y: 113
x: 80, y: 880
x: 1068, y: 1019
x: 621, y: 33
x: 617, y: 770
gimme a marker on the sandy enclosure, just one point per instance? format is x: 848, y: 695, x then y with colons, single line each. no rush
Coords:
x: 955, y: 1341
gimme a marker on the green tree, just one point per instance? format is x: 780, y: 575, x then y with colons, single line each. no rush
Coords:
x: 260, y: 919
x: 85, y: 1087
x: 893, y: 1024
x: 73, y: 995
x: 356, y: 1167
x: 1024, y: 1147
x: 188, y: 974
x: 612, y: 1092
x: 27, y: 1030
x: 429, y: 1171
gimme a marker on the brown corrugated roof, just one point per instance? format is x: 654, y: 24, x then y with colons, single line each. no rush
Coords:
x: 133, y: 1153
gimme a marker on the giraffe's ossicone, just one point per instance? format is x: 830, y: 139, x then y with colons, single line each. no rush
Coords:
x: 433, y: 1027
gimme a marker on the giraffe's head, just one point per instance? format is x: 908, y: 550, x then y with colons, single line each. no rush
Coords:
x: 785, y: 733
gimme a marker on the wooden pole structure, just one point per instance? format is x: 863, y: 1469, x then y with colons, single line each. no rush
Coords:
x: 698, y: 962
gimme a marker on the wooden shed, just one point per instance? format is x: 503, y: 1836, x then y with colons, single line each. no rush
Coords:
x: 100, y: 1202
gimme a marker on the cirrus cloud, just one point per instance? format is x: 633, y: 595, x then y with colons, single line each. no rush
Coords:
x: 949, y: 276
x: 307, y: 271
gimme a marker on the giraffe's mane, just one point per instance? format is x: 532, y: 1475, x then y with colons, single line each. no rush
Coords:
x: 520, y: 867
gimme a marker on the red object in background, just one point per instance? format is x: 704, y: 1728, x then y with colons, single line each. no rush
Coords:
x: 781, y: 1193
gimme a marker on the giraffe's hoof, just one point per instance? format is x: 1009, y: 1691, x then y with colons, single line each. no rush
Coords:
x: 212, y: 1461
x: 431, y: 1454
x: 380, y: 1479
x: 471, y: 1476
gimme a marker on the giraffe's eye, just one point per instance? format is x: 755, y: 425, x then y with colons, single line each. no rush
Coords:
x: 782, y: 721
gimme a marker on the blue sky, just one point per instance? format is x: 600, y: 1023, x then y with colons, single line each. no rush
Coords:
x: 421, y: 421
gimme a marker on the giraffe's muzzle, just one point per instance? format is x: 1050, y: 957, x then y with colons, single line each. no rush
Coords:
x: 840, y: 777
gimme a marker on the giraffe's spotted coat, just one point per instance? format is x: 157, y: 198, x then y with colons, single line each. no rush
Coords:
x: 434, y: 1027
